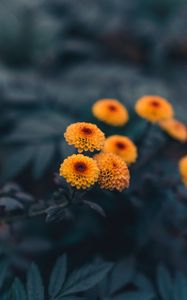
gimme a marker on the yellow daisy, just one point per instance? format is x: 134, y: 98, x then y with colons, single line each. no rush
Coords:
x: 122, y: 146
x: 175, y: 129
x: 85, y: 136
x: 114, y: 173
x: 111, y: 112
x: 154, y: 108
x: 183, y: 169
x: 80, y: 171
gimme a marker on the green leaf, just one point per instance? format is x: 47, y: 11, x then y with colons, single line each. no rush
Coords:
x: 18, y: 290
x: 3, y: 272
x: 85, y: 278
x: 44, y: 154
x: 17, y: 161
x: 164, y: 282
x: 35, y: 287
x: 180, y: 287
x: 121, y: 274
x: 143, y: 283
x: 134, y: 296
x: 58, y: 276
x: 70, y: 298
x: 31, y: 130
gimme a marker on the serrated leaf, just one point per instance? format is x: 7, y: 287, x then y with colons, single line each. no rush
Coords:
x: 35, y: 289
x: 134, y: 296
x: 18, y: 290
x: 43, y: 155
x: 3, y: 272
x: 180, y: 287
x: 58, y: 276
x: 17, y: 161
x: 121, y: 274
x: 85, y: 278
x: 164, y: 282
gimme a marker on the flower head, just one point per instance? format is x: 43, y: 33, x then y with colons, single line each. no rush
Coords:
x: 85, y: 136
x: 122, y: 146
x: 175, y: 129
x: 111, y: 112
x: 80, y: 171
x: 114, y: 173
x: 183, y: 169
x: 154, y: 108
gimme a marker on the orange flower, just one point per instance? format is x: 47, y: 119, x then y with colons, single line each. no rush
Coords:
x: 154, y: 108
x: 183, y: 169
x: 85, y: 136
x: 114, y: 173
x: 111, y: 112
x: 175, y: 129
x: 122, y: 146
x: 80, y: 171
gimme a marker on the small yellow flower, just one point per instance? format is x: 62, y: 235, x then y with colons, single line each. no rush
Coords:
x: 175, y: 129
x: 183, y: 169
x: 154, y: 108
x: 114, y: 173
x: 80, y: 171
x: 85, y: 136
x: 111, y: 112
x: 122, y: 146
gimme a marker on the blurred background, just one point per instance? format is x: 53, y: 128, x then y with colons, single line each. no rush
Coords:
x: 57, y: 57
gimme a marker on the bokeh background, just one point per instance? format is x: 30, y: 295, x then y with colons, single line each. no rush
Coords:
x: 57, y: 57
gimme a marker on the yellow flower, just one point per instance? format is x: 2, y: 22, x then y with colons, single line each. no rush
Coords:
x: 114, y: 173
x: 80, y: 171
x: 175, y: 129
x: 85, y: 136
x: 122, y: 146
x: 183, y: 169
x: 154, y: 108
x: 111, y: 112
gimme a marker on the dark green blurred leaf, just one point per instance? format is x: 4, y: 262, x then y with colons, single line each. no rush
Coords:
x: 165, y: 283
x: 121, y: 274
x: 43, y: 156
x: 35, y: 288
x: 180, y: 287
x: 3, y: 272
x: 18, y: 290
x: 17, y: 161
x: 134, y: 296
x: 85, y: 278
x: 58, y: 276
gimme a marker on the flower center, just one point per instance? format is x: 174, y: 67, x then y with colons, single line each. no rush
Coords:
x: 86, y: 130
x: 80, y: 166
x: 120, y: 145
x: 155, y: 103
x: 112, y: 107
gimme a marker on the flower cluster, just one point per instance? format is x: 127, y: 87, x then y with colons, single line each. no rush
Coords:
x: 81, y: 171
x: 110, y: 167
